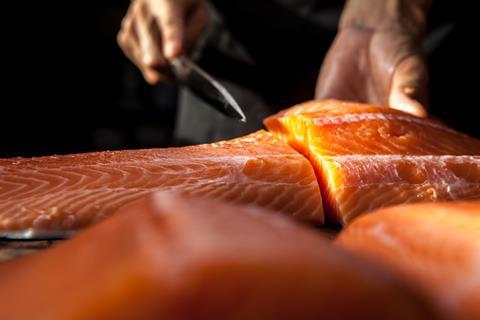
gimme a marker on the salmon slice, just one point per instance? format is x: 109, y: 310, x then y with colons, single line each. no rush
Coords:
x: 170, y: 257
x: 74, y: 191
x: 367, y: 157
x: 436, y: 245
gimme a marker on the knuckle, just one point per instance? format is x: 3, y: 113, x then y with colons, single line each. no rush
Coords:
x: 121, y: 39
x: 125, y: 22
x: 152, y: 62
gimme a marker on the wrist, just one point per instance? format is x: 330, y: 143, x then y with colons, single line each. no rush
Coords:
x: 396, y: 15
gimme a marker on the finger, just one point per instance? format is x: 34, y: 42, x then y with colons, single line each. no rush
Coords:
x: 127, y: 37
x: 149, y: 55
x: 196, y: 24
x: 128, y: 40
x: 341, y: 76
x: 149, y: 45
x: 159, y: 64
x: 152, y: 76
x: 170, y: 19
x: 409, y: 89
x: 123, y: 36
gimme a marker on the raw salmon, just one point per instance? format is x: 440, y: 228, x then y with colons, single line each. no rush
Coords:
x: 436, y: 245
x: 170, y: 257
x: 74, y: 191
x: 367, y: 157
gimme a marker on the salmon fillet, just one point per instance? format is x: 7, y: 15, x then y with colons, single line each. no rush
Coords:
x: 170, y: 257
x: 436, y: 245
x: 74, y: 191
x: 367, y: 157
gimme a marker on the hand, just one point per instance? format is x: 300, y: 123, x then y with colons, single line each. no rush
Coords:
x: 155, y: 30
x: 376, y: 56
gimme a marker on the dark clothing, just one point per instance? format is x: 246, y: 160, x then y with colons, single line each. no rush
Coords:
x: 268, y: 53
x: 454, y: 66
x: 286, y: 40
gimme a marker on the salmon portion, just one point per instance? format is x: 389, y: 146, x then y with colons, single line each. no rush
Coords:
x: 436, y: 245
x: 367, y: 157
x: 74, y: 191
x: 171, y: 257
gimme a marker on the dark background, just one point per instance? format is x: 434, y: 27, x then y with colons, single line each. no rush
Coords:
x: 66, y: 86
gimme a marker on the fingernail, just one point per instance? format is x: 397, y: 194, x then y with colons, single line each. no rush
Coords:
x: 147, y: 58
x: 151, y: 78
x: 409, y: 91
x: 405, y: 103
x: 170, y: 49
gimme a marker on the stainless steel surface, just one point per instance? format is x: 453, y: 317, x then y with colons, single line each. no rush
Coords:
x: 189, y: 74
x: 35, y: 235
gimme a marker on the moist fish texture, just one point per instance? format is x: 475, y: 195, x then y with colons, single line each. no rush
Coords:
x: 435, y: 245
x: 74, y: 191
x: 172, y: 257
x: 367, y: 157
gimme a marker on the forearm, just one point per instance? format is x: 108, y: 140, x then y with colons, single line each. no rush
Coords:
x: 407, y: 15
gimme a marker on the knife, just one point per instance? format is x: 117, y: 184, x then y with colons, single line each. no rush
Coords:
x: 205, y: 87
x: 187, y: 73
x: 36, y: 235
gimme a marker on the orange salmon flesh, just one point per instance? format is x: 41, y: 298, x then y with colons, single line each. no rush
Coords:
x: 367, y: 157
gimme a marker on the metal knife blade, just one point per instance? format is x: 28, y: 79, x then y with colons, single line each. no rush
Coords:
x: 203, y: 85
x: 35, y: 235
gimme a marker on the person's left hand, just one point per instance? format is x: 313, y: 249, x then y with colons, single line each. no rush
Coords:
x: 376, y: 65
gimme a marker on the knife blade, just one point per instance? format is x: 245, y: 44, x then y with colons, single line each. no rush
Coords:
x: 35, y: 235
x: 204, y: 86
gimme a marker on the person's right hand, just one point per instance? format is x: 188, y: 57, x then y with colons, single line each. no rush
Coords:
x: 155, y: 30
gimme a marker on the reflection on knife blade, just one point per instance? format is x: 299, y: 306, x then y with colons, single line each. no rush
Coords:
x: 35, y: 235
x: 206, y: 87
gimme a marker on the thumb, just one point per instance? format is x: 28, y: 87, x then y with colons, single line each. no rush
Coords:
x: 409, y: 87
x: 170, y: 19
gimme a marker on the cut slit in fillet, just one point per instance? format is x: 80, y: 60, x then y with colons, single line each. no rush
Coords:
x: 74, y: 191
x: 170, y: 257
x: 433, y: 245
x: 368, y: 157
